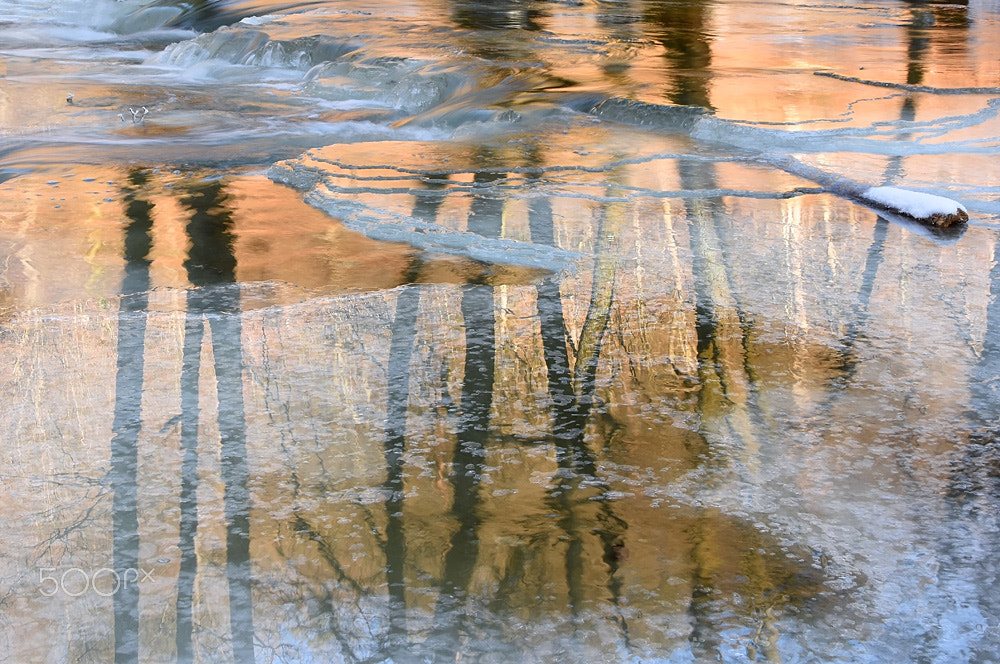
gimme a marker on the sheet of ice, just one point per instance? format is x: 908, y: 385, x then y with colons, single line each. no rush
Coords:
x: 757, y: 421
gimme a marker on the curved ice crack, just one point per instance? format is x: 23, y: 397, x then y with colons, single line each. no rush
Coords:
x: 910, y: 87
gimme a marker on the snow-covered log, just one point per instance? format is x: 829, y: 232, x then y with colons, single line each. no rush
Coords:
x: 928, y: 208
x: 933, y: 211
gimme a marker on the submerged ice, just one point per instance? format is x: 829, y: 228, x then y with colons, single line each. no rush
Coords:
x: 458, y: 330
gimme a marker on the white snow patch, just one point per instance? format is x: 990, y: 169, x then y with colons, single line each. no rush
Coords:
x: 912, y: 203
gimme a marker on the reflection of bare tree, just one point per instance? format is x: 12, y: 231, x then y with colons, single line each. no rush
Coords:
x: 398, y: 384
x: 211, y: 268
x: 918, y: 33
x: 226, y: 344
x: 727, y: 398
x: 441, y: 567
x: 711, y: 289
x: 573, y: 389
x: 190, y: 412
x: 917, y: 41
x: 462, y: 556
x: 390, y: 639
x: 621, y: 23
x: 860, y: 315
x: 497, y: 15
x: 477, y: 308
x: 924, y: 22
x: 974, y: 485
x: 572, y: 385
x: 685, y: 34
x: 128, y: 416
x: 723, y: 326
x: 401, y: 347
x: 947, y: 23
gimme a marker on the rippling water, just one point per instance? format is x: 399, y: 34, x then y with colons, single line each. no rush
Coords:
x: 497, y: 332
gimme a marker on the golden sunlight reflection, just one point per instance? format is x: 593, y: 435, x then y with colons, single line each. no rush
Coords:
x: 64, y: 229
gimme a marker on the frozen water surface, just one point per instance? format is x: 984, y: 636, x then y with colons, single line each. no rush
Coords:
x: 499, y: 332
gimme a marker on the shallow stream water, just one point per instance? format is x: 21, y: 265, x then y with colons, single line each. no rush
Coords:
x: 444, y: 330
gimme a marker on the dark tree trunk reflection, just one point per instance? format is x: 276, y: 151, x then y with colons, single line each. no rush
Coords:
x: 401, y: 346
x: 462, y: 555
x: 572, y: 386
x: 684, y: 30
x: 128, y: 417
x: 862, y: 305
x: 400, y: 353
x: 478, y: 314
x: 211, y: 266
x: 190, y: 412
x: 721, y: 405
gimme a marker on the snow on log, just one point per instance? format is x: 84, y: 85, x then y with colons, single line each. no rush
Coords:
x: 934, y: 210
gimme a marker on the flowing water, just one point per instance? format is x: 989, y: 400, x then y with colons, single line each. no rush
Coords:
x: 514, y: 331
